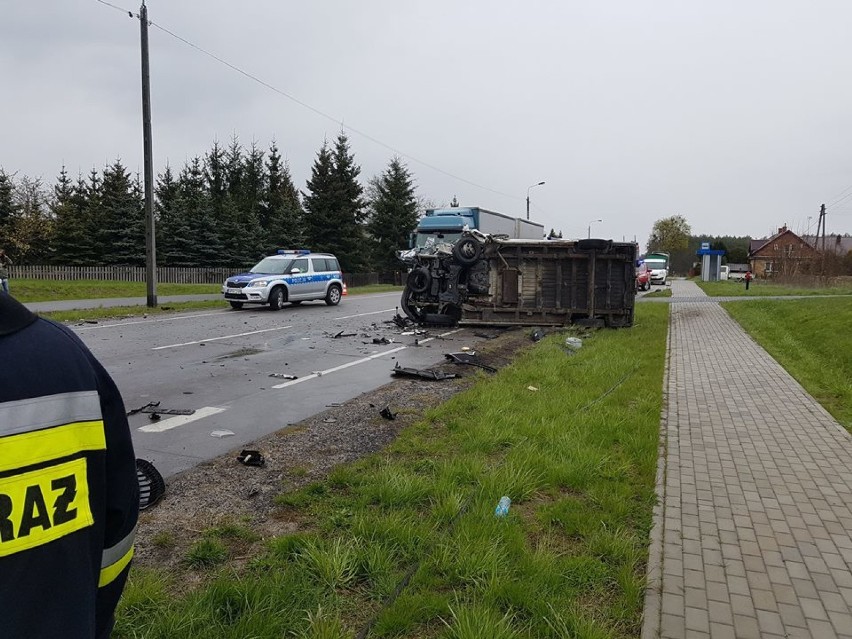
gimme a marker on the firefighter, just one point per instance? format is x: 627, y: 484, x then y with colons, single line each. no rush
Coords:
x: 69, y: 497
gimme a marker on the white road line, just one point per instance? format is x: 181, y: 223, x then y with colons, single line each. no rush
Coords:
x: 150, y: 321
x: 214, y: 339
x: 356, y: 362
x: 339, y: 368
x: 180, y: 420
x: 388, y: 310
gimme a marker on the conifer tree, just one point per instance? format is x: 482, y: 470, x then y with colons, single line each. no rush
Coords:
x: 392, y: 215
x: 174, y: 239
x: 195, y: 208
x: 281, y: 211
x: 121, y: 225
x: 320, y: 203
x: 8, y: 209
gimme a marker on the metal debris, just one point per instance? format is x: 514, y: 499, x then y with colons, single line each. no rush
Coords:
x: 431, y: 375
x: 283, y: 376
x: 470, y: 359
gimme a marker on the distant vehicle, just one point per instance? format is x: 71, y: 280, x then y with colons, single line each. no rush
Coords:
x: 659, y: 265
x: 643, y: 277
x: 445, y: 226
x: 734, y: 272
x: 293, y: 276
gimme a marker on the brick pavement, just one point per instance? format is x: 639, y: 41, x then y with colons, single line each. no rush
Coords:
x: 753, y: 533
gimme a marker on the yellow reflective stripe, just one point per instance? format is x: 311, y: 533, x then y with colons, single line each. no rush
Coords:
x: 109, y: 573
x: 43, y: 505
x: 26, y: 449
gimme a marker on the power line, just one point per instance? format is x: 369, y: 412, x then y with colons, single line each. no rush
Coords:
x: 129, y: 13
x: 318, y: 111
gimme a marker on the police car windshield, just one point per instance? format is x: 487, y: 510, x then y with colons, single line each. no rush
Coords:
x: 272, y: 266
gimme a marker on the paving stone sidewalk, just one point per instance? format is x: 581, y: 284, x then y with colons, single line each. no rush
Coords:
x: 753, y: 533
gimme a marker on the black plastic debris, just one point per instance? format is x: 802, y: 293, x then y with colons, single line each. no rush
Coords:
x: 536, y: 335
x: 342, y: 334
x: 168, y: 411
x: 141, y: 408
x: 431, y: 375
x: 382, y: 340
x: 469, y: 359
x: 154, y: 416
x: 152, y: 486
x: 387, y: 413
x: 251, y: 458
x: 283, y: 376
x: 402, y: 322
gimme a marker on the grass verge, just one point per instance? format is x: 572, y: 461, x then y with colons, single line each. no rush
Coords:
x: 571, y: 437
x: 811, y: 340
x: 760, y: 288
x: 660, y: 292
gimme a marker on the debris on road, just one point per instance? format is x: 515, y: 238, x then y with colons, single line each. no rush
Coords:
x: 251, y: 458
x: 382, y: 340
x: 222, y: 433
x: 152, y: 486
x: 470, y: 359
x: 431, y: 375
x: 283, y: 376
x: 342, y: 334
x: 387, y: 413
x: 154, y: 416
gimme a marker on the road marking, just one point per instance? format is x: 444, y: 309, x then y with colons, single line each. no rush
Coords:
x: 180, y: 420
x: 356, y: 362
x: 150, y: 321
x: 388, y: 310
x: 214, y: 339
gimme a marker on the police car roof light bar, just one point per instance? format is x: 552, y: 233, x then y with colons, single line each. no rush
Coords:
x: 293, y: 251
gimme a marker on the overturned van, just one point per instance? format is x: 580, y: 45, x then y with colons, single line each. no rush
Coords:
x: 482, y: 279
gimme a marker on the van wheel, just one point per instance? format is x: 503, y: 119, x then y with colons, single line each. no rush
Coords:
x: 467, y: 251
x: 332, y: 297
x: 277, y: 298
x: 419, y: 280
x: 236, y: 305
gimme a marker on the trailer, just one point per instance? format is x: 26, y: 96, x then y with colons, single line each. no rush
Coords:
x: 485, y: 280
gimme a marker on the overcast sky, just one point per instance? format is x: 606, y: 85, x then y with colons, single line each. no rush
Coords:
x: 735, y: 114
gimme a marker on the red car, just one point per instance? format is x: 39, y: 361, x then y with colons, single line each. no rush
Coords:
x: 643, y: 277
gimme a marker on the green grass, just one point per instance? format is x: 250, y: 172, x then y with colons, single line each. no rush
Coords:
x: 812, y: 340
x: 660, y: 292
x: 26, y: 290
x: 577, y: 457
x: 29, y: 290
x: 760, y: 288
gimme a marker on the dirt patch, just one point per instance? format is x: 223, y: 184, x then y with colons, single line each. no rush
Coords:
x: 226, y: 491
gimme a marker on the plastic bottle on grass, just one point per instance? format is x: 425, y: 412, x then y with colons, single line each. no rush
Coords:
x: 502, y: 507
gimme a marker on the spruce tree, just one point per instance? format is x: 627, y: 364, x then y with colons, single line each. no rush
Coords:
x: 392, y: 215
x: 281, y: 213
x: 121, y: 228
x: 320, y: 203
x: 195, y: 207
x: 350, y: 213
x: 8, y: 209
x: 174, y: 238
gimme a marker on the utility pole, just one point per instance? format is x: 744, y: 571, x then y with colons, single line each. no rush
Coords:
x: 822, y: 217
x: 150, y: 240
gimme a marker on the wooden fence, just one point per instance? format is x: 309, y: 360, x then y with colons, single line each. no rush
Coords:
x: 170, y: 274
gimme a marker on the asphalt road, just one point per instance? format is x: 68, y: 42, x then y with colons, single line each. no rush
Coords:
x: 220, y: 365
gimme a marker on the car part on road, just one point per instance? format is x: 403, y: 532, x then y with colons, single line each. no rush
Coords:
x: 219, y: 434
x: 387, y: 413
x: 251, y: 458
x: 283, y: 376
x: 469, y: 359
x: 152, y: 486
x: 431, y: 375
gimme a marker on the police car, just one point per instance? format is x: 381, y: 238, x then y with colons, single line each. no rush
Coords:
x: 292, y: 276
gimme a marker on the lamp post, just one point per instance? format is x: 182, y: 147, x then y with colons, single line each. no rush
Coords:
x: 528, y: 196
x: 590, y: 227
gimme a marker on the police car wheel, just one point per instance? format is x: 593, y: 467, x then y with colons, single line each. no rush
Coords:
x: 277, y: 298
x: 236, y: 305
x: 332, y: 297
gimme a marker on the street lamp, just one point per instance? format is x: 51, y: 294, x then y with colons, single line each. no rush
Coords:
x: 590, y: 227
x: 528, y: 196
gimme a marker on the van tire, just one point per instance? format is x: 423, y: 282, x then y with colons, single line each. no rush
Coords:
x: 333, y: 295
x: 467, y: 251
x: 277, y: 298
x: 419, y: 280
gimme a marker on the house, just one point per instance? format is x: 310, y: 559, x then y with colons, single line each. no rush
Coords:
x: 785, y: 253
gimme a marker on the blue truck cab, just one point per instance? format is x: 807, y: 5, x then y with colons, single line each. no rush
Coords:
x: 292, y: 276
x: 446, y: 225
